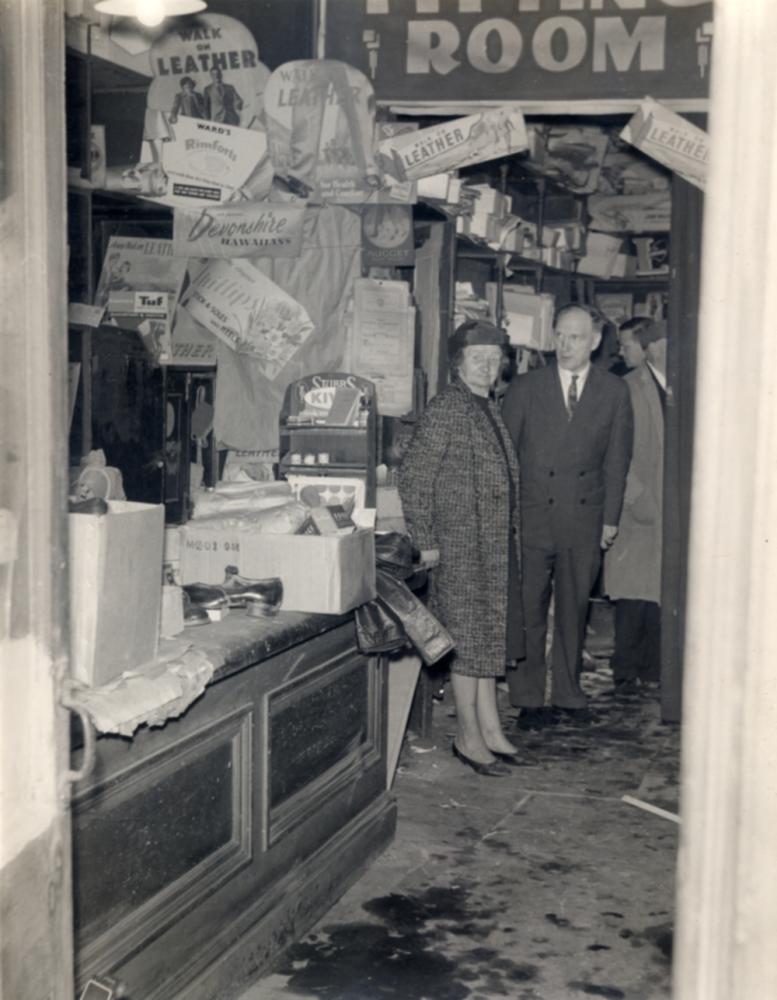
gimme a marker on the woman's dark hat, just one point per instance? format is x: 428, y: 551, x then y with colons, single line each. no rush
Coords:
x: 474, y: 332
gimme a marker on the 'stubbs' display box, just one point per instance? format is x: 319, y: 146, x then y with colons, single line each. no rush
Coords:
x: 326, y: 574
x: 115, y: 589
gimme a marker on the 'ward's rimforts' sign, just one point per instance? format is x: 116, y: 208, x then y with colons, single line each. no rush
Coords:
x: 531, y: 50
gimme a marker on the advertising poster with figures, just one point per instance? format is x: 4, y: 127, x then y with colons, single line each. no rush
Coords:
x: 134, y: 264
x: 205, y: 71
x: 139, y: 286
x: 320, y: 124
x: 249, y: 313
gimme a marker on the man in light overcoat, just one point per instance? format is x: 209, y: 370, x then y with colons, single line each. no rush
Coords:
x: 632, y: 567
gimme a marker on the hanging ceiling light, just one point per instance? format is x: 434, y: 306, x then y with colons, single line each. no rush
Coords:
x: 149, y: 12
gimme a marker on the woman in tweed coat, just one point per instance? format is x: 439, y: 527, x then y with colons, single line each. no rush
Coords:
x: 459, y: 487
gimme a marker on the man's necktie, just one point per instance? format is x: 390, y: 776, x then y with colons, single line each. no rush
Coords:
x: 572, y: 396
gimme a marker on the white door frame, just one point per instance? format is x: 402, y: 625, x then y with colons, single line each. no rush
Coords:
x: 726, y: 929
x: 35, y: 882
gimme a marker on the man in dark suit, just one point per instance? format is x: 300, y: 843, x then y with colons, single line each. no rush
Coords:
x: 572, y: 426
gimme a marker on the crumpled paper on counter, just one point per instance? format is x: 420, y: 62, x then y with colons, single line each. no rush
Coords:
x: 150, y: 696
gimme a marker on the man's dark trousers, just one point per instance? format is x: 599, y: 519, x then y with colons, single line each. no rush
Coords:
x: 573, y: 572
x: 637, y: 654
x: 573, y: 473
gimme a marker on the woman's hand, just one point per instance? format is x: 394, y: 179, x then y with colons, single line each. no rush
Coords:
x: 429, y: 558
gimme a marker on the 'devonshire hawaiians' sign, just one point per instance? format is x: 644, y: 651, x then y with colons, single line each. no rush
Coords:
x: 245, y: 229
x: 525, y: 50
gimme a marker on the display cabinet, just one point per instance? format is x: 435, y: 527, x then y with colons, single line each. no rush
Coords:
x: 328, y: 428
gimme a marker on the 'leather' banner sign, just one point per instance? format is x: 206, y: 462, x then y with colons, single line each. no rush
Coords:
x: 242, y: 230
x: 525, y: 50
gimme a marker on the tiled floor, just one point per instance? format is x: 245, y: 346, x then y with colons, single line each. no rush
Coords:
x: 541, y: 886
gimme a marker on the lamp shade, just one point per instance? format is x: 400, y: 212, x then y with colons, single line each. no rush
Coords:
x: 149, y: 12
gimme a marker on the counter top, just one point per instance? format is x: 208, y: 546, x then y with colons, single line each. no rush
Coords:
x: 239, y: 641
x: 202, y: 655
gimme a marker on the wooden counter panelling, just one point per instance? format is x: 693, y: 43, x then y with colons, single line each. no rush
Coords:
x: 204, y: 847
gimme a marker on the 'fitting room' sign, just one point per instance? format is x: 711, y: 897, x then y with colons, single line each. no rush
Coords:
x: 525, y: 50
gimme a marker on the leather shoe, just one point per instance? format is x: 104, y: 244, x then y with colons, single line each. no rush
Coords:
x: 494, y: 770
x: 511, y: 759
x: 536, y: 718
x: 193, y: 614
x: 578, y: 716
x: 241, y: 590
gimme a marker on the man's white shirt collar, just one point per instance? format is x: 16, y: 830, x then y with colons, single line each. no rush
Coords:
x: 566, y: 379
x: 659, y: 375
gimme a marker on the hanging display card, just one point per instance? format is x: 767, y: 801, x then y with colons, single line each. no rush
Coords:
x: 206, y: 162
x: 617, y: 307
x: 320, y: 124
x: 670, y: 139
x: 626, y: 172
x: 394, y: 193
x: 207, y: 71
x: 631, y: 213
x: 527, y: 316
x: 387, y: 236
x: 139, y: 285
x: 452, y: 144
x: 206, y: 68
x: 570, y: 155
x: 148, y: 313
x: 134, y: 264
x: 249, y: 313
x: 245, y: 229
x: 384, y: 342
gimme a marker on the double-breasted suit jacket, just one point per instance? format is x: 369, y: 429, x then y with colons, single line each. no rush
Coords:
x: 632, y: 567
x: 455, y: 489
x: 573, y: 473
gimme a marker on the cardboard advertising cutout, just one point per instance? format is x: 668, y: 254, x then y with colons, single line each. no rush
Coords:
x: 205, y: 70
x: 246, y: 229
x: 320, y: 125
x: 452, y: 144
x: 139, y: 285
x: 569, y: 154
x: 206, y: 163
x: 671, y: 140
x: 387, y: 234
x: 249, y: 313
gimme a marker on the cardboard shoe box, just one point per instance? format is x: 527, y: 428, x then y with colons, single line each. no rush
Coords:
x: 115, y: 589
x: 326, y: 574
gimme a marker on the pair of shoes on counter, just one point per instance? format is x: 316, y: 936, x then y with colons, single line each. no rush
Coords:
x: 261, y: 598
x: 498, y: 768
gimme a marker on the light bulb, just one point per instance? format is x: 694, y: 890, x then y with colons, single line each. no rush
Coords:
x: 150, y: 12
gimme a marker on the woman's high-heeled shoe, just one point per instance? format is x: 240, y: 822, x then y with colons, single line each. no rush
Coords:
x: 493, y: 770
x: 509, y: 758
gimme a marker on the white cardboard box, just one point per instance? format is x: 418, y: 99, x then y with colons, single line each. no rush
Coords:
x: 115, y: 589
x: 329, y: 574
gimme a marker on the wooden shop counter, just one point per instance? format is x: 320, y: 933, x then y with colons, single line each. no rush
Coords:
x: 204, y: 847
